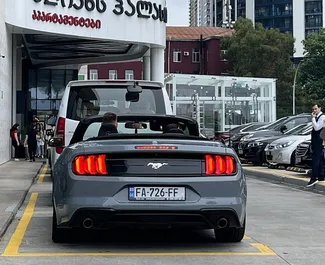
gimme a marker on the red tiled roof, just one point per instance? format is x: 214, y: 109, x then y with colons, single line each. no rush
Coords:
x: 194, y: 33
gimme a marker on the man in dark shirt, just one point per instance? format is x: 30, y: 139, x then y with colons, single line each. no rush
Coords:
x: 317, y: 146
x: 109, y: 124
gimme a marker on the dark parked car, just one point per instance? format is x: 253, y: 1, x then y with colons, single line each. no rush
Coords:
x: 247, y: 127
x: 277, y: 128
x: 253, y: 150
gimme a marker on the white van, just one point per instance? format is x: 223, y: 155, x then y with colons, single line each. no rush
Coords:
x: 96, y: 97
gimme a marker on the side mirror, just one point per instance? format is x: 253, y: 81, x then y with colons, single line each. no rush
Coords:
x: 283, y: 128
x: 135, y: 88
x: 132, y: 97
x: 50, y: 132
x: 55, y: 142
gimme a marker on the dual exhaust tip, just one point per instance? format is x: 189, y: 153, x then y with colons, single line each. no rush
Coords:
x: 88, y: 223
x: 222, y: 223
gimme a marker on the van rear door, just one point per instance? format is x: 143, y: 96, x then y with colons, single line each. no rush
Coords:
x: 97, y: 98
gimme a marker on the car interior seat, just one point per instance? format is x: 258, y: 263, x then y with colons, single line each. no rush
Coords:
x: 173, y: 128
x: 107, y: 129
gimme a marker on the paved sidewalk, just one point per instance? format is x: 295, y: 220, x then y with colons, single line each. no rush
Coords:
x: 283, y: 176
x: 16, y: 178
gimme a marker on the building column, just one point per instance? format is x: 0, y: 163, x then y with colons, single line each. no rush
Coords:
x: 16, y: 80
x: 298, y: 12
x: 146, y: 66
x: 250, y: 10
x: 157, y: 65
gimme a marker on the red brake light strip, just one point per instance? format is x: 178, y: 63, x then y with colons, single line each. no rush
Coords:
x: 220, y: 165
x: 94, y: 165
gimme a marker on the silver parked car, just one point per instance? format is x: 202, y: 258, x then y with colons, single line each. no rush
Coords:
x: 147, y: 177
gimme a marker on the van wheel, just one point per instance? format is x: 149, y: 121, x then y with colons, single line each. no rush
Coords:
x: 231, y: 234
x: 59, y: 235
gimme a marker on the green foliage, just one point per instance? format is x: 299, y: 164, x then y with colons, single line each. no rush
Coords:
x: 259, y: 52
x: 312, y: 68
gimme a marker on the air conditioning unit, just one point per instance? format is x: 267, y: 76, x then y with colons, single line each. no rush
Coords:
x: 186, y: 53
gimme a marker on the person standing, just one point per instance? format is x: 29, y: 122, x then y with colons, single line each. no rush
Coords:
x: 318, y: 120
x: 31, y: 141
x: 15, y: 139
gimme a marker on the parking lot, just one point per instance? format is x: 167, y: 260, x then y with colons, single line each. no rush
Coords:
x: 278, y: 231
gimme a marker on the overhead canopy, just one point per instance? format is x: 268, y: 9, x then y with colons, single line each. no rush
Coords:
x: 51, y: 50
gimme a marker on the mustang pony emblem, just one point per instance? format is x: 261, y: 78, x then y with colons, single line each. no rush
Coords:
x: 156, y: 165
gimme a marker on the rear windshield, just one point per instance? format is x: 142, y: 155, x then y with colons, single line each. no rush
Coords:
x: 151, y: 125
x: 93, y: 130
x: 96, y: 100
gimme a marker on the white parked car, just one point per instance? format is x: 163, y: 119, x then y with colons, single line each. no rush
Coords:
x: 281, y: 152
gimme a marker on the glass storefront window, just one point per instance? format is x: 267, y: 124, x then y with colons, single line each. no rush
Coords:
x: 33, y: 105
x: 32, y: 83
x: 46, y: 88
x: 44, y: 84
x: 55, y: 104
x: 58, y: 84
x: 43, y: 104
x: 237, y: 100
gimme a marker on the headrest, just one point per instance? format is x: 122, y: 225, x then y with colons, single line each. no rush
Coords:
x: 107, y: 129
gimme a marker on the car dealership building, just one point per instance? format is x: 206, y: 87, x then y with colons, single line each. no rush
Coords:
x: 43, y: 44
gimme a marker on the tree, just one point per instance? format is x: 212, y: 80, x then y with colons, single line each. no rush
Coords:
x: 312, y: 69
x: 259, y: 52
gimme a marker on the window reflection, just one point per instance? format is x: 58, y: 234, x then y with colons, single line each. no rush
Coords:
x: 44, y: 84
x: 32, y: 83
x: 55, y: 104
x: 43, y: 104
x: 58, y: 84
x: 188, y: 91
x: 33, y: 105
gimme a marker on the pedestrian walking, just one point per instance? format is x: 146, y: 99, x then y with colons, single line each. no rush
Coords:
x: 15, y: 140
x: 318, y: 120
x: 31, y: 141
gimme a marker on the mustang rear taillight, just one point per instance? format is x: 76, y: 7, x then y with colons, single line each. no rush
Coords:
x: 220, y: 165
x: 90, y: 165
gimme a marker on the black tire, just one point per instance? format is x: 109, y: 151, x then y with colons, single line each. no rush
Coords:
x: 59, y: 235
x: 230, y: 235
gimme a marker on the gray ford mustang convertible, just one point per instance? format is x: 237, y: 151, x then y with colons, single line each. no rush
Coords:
x: 146, y: 176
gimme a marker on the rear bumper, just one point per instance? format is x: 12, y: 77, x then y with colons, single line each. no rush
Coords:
x: 109, y: 218
x: 107, y: 201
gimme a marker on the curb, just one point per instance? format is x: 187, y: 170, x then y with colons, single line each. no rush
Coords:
x: 285, y: 179
x: 5, y: 227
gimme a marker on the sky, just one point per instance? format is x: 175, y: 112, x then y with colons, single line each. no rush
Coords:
x: 178, y: 12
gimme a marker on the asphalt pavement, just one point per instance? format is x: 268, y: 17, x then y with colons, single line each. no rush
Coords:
x: 284, y: 226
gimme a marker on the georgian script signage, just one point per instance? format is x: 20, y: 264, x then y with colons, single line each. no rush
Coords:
x: 89, y: 5
x: 143, y: 9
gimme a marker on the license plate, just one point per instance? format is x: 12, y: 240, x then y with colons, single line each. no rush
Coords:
x: 298, y: 160
x: 240, y: 151
x: 157, y: 193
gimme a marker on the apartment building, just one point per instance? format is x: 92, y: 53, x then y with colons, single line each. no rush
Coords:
x: 297, y: 17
